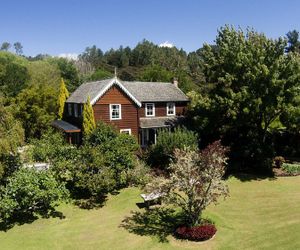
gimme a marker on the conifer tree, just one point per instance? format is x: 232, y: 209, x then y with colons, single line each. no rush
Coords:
x: 88, y: 124
x: 63, y: 95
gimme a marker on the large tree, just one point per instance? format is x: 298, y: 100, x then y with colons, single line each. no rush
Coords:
x: 88, y: 124
x: 252, y: 83
x: 195, y: 181
x: 293, y: 41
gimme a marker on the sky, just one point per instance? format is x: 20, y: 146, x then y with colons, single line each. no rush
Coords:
x: 68, y: 26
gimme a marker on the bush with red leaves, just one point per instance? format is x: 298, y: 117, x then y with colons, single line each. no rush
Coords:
x: 198, y: 233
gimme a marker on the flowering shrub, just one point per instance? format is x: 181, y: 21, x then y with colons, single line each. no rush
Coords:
x: 197, y: 233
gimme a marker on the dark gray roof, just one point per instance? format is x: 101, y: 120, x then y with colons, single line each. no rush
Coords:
x: 65, y: 126
x: 155, y: 91
x: 141, y: 91
x: 161, y: 122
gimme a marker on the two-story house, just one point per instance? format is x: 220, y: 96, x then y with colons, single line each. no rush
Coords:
x: 137, y: 108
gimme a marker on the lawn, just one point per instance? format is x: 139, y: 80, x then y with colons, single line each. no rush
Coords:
x: 259, y: 214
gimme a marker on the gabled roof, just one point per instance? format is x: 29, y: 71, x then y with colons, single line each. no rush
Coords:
x: 137, y: 91
x: 65, y: 126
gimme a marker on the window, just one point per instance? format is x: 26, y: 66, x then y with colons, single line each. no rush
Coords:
x: 69, y: 109
x: 80, y: 110
x: 126, y: 131
x: 171, y: 108
x: 75, y: 109
x: 150, y: 109
x: 115, y: 111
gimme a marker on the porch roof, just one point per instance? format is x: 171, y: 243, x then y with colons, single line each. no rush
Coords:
x: 160, y: 122
x: 65, y: 126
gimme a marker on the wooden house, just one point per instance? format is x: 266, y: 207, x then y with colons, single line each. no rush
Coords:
x: 137, y: 108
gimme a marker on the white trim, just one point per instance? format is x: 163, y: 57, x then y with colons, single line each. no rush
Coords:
x: 109, y: 85
x: 125, y: 130
x: 153, y: 109
x: 110, y: 112
x: 174, y: 109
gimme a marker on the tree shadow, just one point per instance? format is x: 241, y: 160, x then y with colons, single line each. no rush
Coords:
x: 157, y: 222
x: 28, y: 218
x: 251, y: 177
x: 91, y: 203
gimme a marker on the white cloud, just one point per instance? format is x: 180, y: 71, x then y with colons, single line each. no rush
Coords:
x: 71, y: 56
x: 166, y: 44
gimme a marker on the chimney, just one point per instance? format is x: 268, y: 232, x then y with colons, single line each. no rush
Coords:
x: 175, y: 82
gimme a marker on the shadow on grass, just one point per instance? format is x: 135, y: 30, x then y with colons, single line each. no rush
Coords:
x: 28, y: 218
x: 91, y: 203
x: 250, y: 177
x: 157, y: 222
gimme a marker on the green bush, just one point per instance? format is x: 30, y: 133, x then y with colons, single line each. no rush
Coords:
x: 139, y: 175
x: 162, y: 152
x: 28, y: 192
x: 291, y: 168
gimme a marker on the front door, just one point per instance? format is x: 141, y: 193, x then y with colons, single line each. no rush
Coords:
x: 148, y: 136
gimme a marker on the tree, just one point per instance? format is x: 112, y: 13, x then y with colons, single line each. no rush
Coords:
x: 11, y: 137
x: 92, y: 55
x: 18, y: 48
x: 195, y: 181
x: 63, y: 96
x: 29, y: 192
x: 14, y: 74
x: 5, y: 46
x: 293, y: 41
x: 36, y: 108
x: 88, y: 124
x: 252, y: 83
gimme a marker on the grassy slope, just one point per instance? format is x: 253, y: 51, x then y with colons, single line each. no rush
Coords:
x: 262, y: 214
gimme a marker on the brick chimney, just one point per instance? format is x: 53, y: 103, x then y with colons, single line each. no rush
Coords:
x: 175, y: 82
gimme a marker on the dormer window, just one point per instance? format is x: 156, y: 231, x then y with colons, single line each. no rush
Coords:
x: 171, y: 110
x: 69, y: 109
x: 150, y: 109
x: 115, y: 111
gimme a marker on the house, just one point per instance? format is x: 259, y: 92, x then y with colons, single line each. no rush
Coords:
x: 137, y: 108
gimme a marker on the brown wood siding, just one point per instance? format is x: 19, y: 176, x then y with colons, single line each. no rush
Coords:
x: 115, y: 96
x: 128, y: 108
x: 161, y: 109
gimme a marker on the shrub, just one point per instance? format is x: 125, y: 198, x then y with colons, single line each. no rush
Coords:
x: 291, y: 168
x: 278, y: 161
x: 162, y: 152
x: 28, y: 192
x: 139, y: 175
x: 197, y: 233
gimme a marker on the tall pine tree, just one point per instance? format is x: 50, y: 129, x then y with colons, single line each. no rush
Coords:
x: 88, y: 124
x: 63, y: 96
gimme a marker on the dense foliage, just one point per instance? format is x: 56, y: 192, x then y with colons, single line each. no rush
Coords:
x: 62, y: 97
x: 252, y: 83
x: 88, y: 123
x: 162, y: 152
x: 195, y: 181
x: 30, y: 192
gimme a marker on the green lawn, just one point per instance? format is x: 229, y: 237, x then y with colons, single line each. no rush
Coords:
x: 259, y: 214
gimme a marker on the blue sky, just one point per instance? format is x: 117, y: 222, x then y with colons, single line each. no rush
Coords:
x: 68, y: 26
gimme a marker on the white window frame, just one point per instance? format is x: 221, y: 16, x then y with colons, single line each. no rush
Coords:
x: 153, y: 109
x: 173, y: 110
x: 70, y: 109
x: 111, y: 111
x: 125, y: 130
x: 75, y: 109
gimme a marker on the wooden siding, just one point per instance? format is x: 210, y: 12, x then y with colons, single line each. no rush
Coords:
x: 128, y: 108
x: 161, y: 109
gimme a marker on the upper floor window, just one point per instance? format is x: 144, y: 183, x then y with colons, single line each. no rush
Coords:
x: 150, y: 109
x: 75, y: 109
x: 115, y: 111
x: 171, y: 108
x: 70, y: 109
